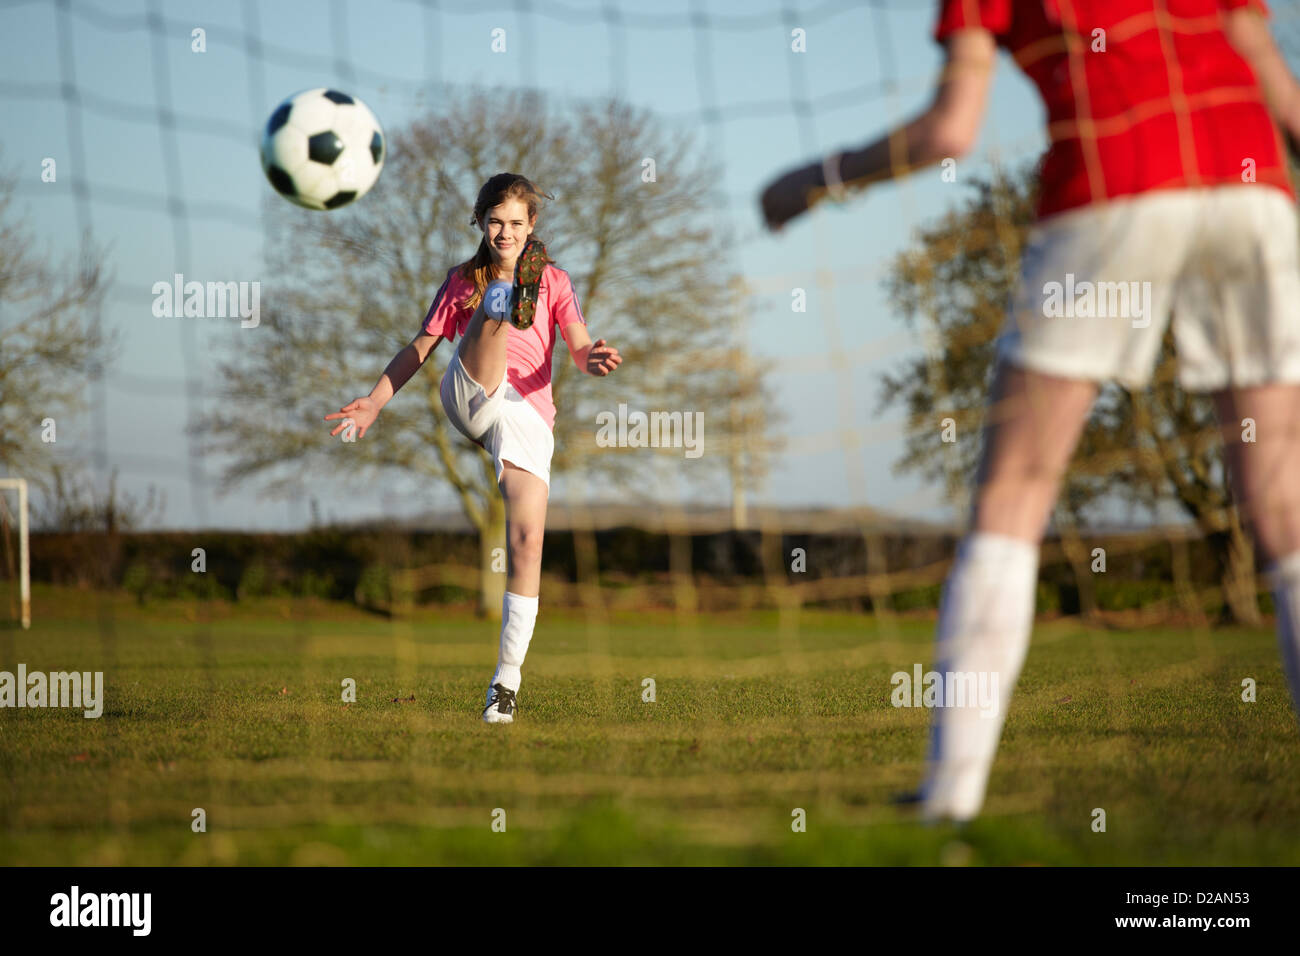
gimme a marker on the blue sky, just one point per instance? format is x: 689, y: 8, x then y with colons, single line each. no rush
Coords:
x: 398, y: 57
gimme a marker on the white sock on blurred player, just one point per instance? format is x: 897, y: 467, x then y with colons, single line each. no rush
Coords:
x: 518, y: 617
x: 1286, y: 598
x: 985, y: 617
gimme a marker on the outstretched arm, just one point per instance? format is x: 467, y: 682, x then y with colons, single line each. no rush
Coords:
x: 364, y: 411
x: 594, y: 358
x: 404, y: 364
x: 947, y: 129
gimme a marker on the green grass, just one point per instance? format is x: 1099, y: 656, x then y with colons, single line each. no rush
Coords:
x: 237, y: 709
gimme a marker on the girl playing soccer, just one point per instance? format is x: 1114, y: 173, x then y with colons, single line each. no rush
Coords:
x: 1165, y: 169
x: 497, y: 388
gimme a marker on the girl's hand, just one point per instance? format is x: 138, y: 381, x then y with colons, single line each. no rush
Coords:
x: 362, y: 411
x: 602, y: 359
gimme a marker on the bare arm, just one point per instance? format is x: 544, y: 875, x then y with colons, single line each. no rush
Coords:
x: 1248, y: 33
x: 946, y: 130
x: 364, y: 411
x: 594, y: 358
x: 404, y: 364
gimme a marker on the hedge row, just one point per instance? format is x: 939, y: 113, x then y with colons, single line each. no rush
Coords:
x: 358, y: 565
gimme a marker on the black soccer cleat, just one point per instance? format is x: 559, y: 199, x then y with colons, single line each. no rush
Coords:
x: 528, y: 279
x: 500, y: 707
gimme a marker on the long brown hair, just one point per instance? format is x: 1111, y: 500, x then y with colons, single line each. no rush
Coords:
x: 501, y: 187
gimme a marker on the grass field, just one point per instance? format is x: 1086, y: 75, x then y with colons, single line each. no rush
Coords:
x: 237, y: 709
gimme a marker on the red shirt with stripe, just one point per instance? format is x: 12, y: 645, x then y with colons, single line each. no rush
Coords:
x: 1158, y: 99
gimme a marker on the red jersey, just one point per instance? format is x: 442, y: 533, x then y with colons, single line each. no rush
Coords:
x: 1140, y: 94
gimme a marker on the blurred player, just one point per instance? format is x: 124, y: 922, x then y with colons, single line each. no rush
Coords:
x: 497, y: 389
x: 1165, y: 167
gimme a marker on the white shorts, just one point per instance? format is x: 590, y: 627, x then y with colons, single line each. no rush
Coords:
x: 1097, y: 286
x: 504, y: 423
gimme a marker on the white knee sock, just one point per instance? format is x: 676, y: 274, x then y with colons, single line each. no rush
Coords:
x: 985, y: 617
x: 518, y: 617
x: 1286, y: 598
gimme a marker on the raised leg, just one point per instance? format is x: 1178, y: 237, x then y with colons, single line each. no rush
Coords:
x: 483, y: 348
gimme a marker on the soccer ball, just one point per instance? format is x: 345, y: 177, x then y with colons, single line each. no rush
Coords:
x: 322, y: 149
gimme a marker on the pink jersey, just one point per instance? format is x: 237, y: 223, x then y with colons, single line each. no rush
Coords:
x: 528, y: 351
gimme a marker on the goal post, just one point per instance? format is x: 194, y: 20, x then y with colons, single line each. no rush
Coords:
x: 24, y: 563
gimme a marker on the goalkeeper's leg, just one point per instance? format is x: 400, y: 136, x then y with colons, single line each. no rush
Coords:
x: 988, y: 600
x: 1266, y: 485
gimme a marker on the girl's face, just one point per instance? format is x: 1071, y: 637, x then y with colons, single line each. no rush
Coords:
x: 506, y: 228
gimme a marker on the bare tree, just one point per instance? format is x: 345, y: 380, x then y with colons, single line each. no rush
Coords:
x: 76, y: 504
x: 50, y: 341
x: 638, y: 223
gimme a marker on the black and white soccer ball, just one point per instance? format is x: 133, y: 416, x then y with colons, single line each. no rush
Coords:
x: 323, y: 149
